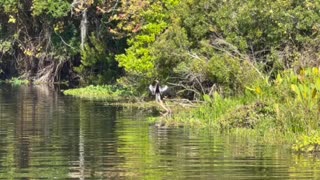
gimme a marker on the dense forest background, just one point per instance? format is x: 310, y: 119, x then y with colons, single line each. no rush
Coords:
x: 199, y: 46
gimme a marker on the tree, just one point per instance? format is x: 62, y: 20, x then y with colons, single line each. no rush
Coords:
x: 143, y: 21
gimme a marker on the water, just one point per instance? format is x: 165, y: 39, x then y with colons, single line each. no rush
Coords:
x: 45, y: 135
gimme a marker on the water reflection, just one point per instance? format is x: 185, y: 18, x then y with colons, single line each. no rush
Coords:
x: 46, y: 135
x: 26, y: 118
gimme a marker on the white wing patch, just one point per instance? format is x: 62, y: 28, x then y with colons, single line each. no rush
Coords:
x: 152, y: 89
x: 163, y: 89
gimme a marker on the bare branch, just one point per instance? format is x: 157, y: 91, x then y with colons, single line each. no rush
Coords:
x: 185, y: 88
x: 64, y: 42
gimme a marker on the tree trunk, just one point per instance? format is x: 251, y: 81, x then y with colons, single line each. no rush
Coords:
x: 84, y: 27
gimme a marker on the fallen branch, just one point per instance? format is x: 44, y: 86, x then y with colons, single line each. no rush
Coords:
x: 185, y: 88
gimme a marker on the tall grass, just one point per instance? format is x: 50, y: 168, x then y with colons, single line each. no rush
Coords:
x: 288, y: 107
x: 210, y: 112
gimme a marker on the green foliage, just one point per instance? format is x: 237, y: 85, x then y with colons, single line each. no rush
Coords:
x: 9, y: 6
x: 229, y: 43
x: 97, y: 62
x: 306, y: 87
x: 232, y: 73
x: 265, y: 24
x: 298, y: 99
x: 199, y: 43
x: 138, y: 58
x: 170, y: 50
x: 54, y: 8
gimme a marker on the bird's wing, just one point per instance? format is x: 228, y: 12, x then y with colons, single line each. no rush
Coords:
x: 163, y: 89
x: 152, y: 89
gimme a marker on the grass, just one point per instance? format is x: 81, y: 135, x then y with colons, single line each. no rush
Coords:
x: 245, y: 116
x: 108, y: 92
x: 209, y: 113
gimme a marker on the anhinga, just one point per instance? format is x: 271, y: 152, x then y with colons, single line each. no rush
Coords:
x: 157, y: 90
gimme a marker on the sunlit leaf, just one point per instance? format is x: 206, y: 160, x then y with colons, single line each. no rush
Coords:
x: 12, y: 19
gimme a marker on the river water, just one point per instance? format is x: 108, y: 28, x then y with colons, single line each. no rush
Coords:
x: 45, y: 135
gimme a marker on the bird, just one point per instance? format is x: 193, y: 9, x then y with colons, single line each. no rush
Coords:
x: 157, y: 90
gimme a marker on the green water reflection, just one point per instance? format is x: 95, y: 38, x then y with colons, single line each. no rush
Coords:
x: 45, y: 135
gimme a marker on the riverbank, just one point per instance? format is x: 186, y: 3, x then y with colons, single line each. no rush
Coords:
x: 118, y: 96
x: 104, y: 92
x: 285, y: 110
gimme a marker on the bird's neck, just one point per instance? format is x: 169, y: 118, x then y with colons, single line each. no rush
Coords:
x: 157, y: 87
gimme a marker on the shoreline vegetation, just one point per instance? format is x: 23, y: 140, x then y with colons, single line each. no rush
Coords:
x: 16, y: 81
x: 285, y: 110
x: 102, y: 92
